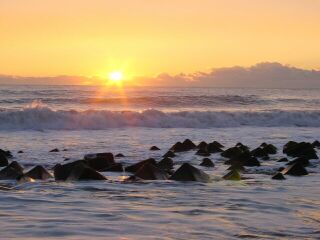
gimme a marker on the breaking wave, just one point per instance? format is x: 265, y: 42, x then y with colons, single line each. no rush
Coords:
x: 38, y: 117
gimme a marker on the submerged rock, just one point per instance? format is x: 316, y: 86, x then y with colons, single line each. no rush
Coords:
x: 295, y: 170
x: 169, y: 154
x: 62, y: 172
x: 154, y: 148
x: 203, y: 153
x: 6, y: 153
x: 233, y: 175
x: 202, y: 145
x: 135, y: 167
x: 188, y: 172
x: 259, y: 152
x: 302, y: 149
x: 82, y: 172
x: 54, y: 150
x: 20, y: 151
x: 213, y: 148
x: 238, y: 167
x: 119, y: 155
x: 16, y: 165
x: 165, y: 164
x: 206, y: 162
x: 100, y: 161
x: 316, y: 144
x: 278, y: 176
x: 150, y: 172
x: 182, y: 147
x: 38, y: 172
x: 244, y: 159
x: 8, y: 173
x: 283, y: 160
x: 232, y: 152
x: 3, y: 160
x: 302, y: 160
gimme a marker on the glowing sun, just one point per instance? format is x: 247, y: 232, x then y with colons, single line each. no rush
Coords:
x: 116, y: 76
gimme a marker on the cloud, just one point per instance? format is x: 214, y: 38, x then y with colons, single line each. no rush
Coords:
x: 261, y: 75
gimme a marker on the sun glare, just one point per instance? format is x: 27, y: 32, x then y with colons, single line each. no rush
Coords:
x: 116, y: 76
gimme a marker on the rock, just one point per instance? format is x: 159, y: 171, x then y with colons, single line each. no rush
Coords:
x: 81, y: 172
x: 188, y: 144
x: 295, y: 170
x: 280, y: 169
x: 149, y: 171
x: 233, y: 175
x: 232, y: 152
x: 188, y: 172
x: 61, y: 172
x: 283, y: 160
x: 213, y: 148
x: 316, y: 144
x: 278, y: 176
x: 7, y: 153
x: 169, y: 154
x: 165, y: 164
x: 259, y: 152
x: 54, y: 150
x: 302, y: 160
x: 154, y: 148
x: 202, y: 152
x: 16, y: 165
x: 302, y: 149
x: 117, y: 167
x: 38, y: 172
x: 3, y: 160
x: 10, y: 173
x: 65, y: 150
x: 202, y: 145
x: 182, y: 147
x: 20, y: 151
x: 270, y: 149
x: 119, y: 155
x: 135, y: 167
x: 238, y: 167
x: 244, y: 159
x: 206, y: 162
x: 100, y: 161
x: 266, y: 158
x: 242, y: 147
x: 217, y: 144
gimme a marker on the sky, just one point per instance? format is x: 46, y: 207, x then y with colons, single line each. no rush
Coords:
x: 148, y: 38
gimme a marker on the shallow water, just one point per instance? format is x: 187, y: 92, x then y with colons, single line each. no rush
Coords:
x: 255, y: 208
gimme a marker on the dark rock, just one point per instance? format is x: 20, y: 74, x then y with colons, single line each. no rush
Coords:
x: 295, y: 170
x: 169, y: 154
x: 302, y: 160
x: 16, y: 165
x: 117, y: 167
x: 259, y: 152
x: 266, y: 158
x: 278, y: 176
x: 242, y: 147
x: 263, y: 144
x: 217, y: 144
x: 7, y: 153
x: 182, y: 147
x: 150, y: 172
x: 20, y: 151
x: 135, y: 167
x: 154, y: 148
x: 10, y: 173
x: 188, y: 172
x: 232, y: 152
x: 270, y: 149
x: 233, y: 175
x: 62, y: 172
x: 165, y: 164
x: 280, y: 169
x: 302, y: 149
x: 119, y: 155
x: 213, y: 148
x: 3, y: 160
x: 316, y: 144
x: 244, y: 159
x: 65, y: 150
x: 54, y: 150
x: 100, y: 161
x: 202, y: 152
x: 188, y: 144
x: 238, y: 167
x: 206, y: 162
x: 66, y: 159
x: 202, y: 145
x: 81, y: 172
x: 38, y: 172
x: 283, y: 160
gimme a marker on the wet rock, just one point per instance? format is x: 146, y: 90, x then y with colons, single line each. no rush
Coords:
x: 54, y: 150
x: 213, y: 148
x: 20, y: 151
x: 82, y: 172
x: 135, y: 167
x: 169, y: 154
x: 150, y: 172
x: 280, y: 169
x: 238, y: 167
x: 117, y: 167
x: 302, y: 149
x: 206, y: 162
x: 283, y: 160
x: 100, y: 161
x: 244, y: 159
x: 270, y: 148
x: 188, y: 144
x: 38, y: 172
x: 61, y: 172
x: 66, y: 159
x: 119, y: 155
x: 217, y: 144
x: 3, y: 160
x: 295, y: 170
x: 302, y: 160
x: 203, y: 152
x: 316, y: 144
x: 278, y: 176
x: 242, y: 147
x: 6, y: 153
x: 232, y: 152
x: 8, y: 173
x: 165, y: 164
x: 233, y: 175
x: 182, y: 147
x: 202, y: 145
x: 188, y: 172
x: 259, y: 152
x: 16, y: 165
x: 154, y: 148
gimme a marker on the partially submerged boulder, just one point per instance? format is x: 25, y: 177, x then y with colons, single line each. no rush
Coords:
x: 278, y: 176
x: 232, y: 152
x: 165, y: 164
x: 295, y: 169
x: 100, y: 161
x: 283, y: 160
x: 16, y: 165
x: 3, y: 160
x: 135, y: 167
x: 9, y: 173
x: 119, y: 155
x: 82, y: 172
x: 233, y: 175
x: 169, y: 154
x: 54, y: 150
x: 117, y: 167
x: 150, y: 172
x: 154, y: 148
x: 301, y: 149
x: 203, y: 153
x: 62, y: 172
x: 38, y: 172
x: 213, y: 148
x: 206, y: 162
x: 186, y: 145
x: 188, y: 172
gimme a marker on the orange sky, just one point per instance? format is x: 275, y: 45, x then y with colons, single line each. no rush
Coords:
x: 147, y: 37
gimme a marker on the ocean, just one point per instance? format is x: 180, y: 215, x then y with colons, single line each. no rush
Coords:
x: 83, y: 120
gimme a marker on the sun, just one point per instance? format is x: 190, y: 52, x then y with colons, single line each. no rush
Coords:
x: 116, y: 76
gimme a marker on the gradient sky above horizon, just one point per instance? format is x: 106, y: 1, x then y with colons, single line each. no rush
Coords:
x: 145, y: 38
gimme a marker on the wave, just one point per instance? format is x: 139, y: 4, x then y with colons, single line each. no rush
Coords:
x: 37, y: 117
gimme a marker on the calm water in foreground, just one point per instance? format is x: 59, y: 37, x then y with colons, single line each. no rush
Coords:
x: 84, y: 120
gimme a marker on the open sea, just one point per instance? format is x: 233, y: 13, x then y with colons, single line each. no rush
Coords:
x: 83, y: 120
